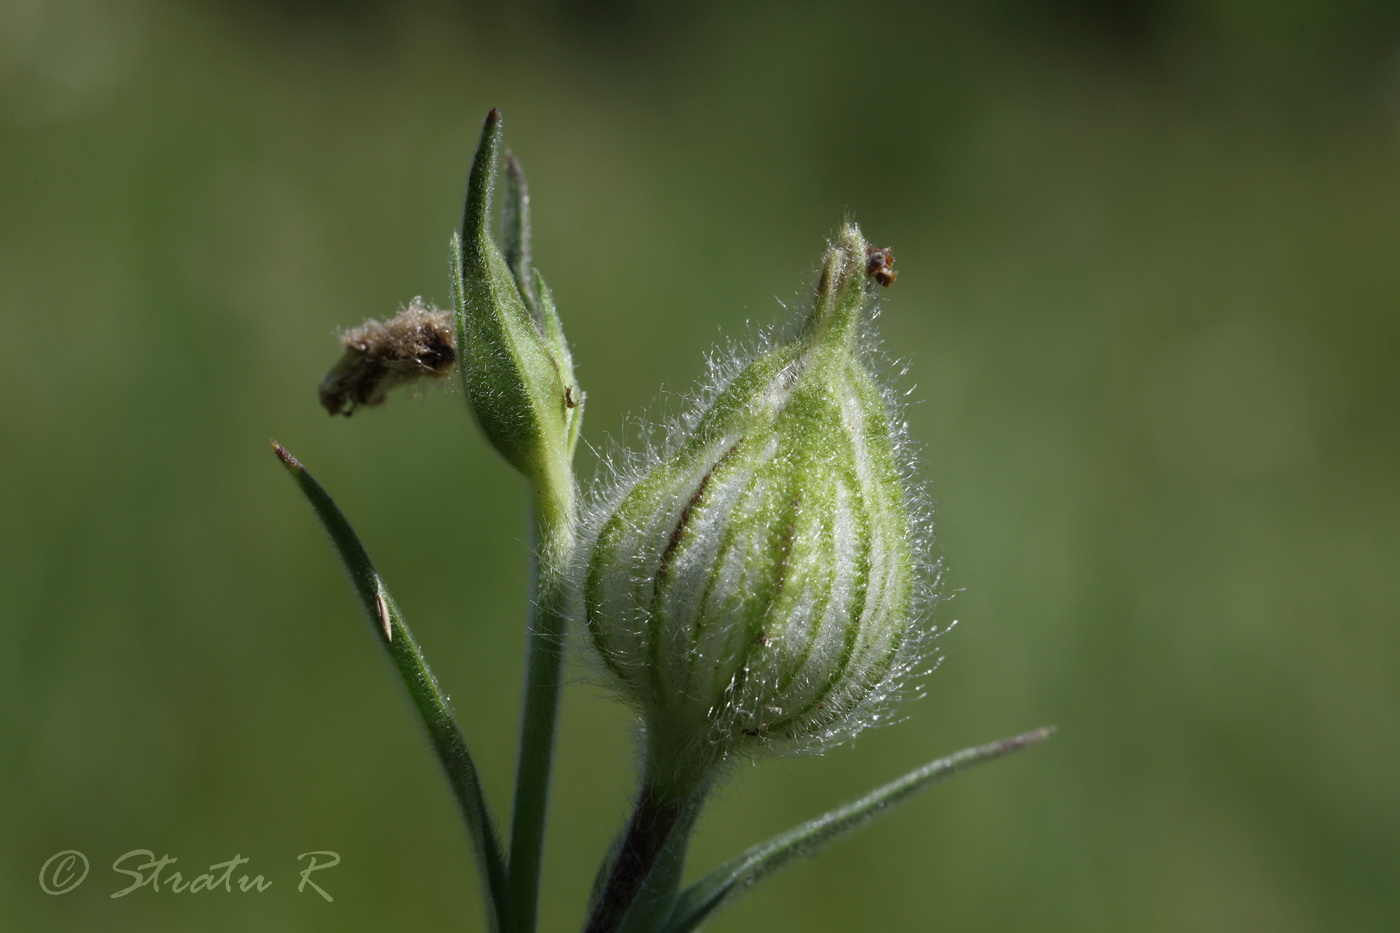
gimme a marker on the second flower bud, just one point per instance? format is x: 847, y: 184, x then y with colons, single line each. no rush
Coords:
x: 756, y: 588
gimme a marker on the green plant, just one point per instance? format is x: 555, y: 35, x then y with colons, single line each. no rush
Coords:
x: 758, y: 586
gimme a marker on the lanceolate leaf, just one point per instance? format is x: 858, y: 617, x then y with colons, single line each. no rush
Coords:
x: 715, y: 889
x: 428, y: 698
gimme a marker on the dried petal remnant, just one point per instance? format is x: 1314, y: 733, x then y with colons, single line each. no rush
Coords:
x: 416, y: 343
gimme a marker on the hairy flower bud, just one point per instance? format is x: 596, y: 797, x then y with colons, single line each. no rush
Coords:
x: 756, y: 586
x: 515, y: 363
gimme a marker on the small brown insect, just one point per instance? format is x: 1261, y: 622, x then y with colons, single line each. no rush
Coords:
x: 878, y: 266
x: 569, y: 397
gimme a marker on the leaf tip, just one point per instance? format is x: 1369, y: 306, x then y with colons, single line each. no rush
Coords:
x: 286, y: 457
x: 1034, y: 737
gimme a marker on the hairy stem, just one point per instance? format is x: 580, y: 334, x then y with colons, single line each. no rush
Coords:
x: 553, y: 534
x: 657, y: 832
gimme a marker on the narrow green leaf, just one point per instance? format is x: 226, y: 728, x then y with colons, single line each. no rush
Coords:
x: 428, y: 698
x: 715, y: 889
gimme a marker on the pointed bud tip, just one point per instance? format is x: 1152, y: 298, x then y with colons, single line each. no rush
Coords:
x: 491, y: 127
x: 481, y: 179
x: 843, y: 295
x: 847, y: 253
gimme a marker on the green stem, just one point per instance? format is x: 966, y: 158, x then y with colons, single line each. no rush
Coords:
x: 653, y: 904
x: 644, y: 876
x: 553, y: 535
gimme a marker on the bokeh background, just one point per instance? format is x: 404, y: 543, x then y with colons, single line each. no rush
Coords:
x: 1148, y: 305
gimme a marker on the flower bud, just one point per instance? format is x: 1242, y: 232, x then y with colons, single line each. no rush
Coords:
x: 515, y: 364
x: 756, y: 586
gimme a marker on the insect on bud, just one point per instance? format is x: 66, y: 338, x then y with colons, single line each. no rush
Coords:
x: 755, y: 586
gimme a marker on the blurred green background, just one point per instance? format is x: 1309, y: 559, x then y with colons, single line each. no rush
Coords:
x: 1148, y: 305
